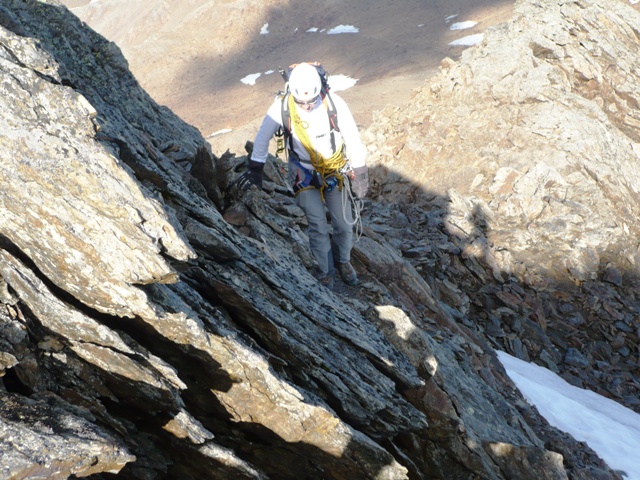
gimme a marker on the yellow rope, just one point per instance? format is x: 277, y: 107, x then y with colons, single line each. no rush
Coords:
x: 324, y: 166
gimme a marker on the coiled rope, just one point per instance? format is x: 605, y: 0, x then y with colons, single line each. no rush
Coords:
x: 356, y: 210
x: 324, y: 166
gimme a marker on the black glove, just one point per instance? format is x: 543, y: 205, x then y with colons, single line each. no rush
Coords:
x: 253, y: 176
x: 360, y: 182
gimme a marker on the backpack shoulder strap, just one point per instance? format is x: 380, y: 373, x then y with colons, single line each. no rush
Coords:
x: 333, y: 117
x: 286, y: 117
x: 332, y: 111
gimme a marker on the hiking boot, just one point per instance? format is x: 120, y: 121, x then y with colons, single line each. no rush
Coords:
x: 348, y: 274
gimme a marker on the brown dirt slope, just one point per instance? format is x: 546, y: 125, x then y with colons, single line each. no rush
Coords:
x: 191, y: 55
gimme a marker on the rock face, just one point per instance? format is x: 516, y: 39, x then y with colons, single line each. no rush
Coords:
x: 525, y: 155
x: 541, y: 135
x: 157, y: 324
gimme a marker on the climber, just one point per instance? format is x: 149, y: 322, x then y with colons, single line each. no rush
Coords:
x: 326, y: 165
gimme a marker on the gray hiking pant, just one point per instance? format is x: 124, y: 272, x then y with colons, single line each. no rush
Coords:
x: 327, y: 248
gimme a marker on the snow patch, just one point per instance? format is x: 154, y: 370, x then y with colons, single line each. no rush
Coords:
x: 343, y: 29
x: 341, y: 82
x: 610, y: 429
x: 250, y: 79
x: 220, y: 132
x: 463, y: 25
x: 468, y: 40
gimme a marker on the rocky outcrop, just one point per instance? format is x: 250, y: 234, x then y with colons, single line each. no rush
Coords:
x: 159, y: 324
x: 524, y: 155
x: 538, y: 128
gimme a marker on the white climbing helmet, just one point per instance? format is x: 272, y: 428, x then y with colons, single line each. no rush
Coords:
x: 304, y: 82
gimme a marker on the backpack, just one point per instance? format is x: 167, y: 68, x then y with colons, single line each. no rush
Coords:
x: 324, y: 93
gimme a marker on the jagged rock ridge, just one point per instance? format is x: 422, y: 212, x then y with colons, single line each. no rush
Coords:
x: 158, y: 325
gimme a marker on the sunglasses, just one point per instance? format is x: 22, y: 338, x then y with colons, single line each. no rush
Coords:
x: 305, y: 104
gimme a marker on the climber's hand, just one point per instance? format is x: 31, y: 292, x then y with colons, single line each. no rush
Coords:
x: 360, y: 182
x: 253, y: 176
